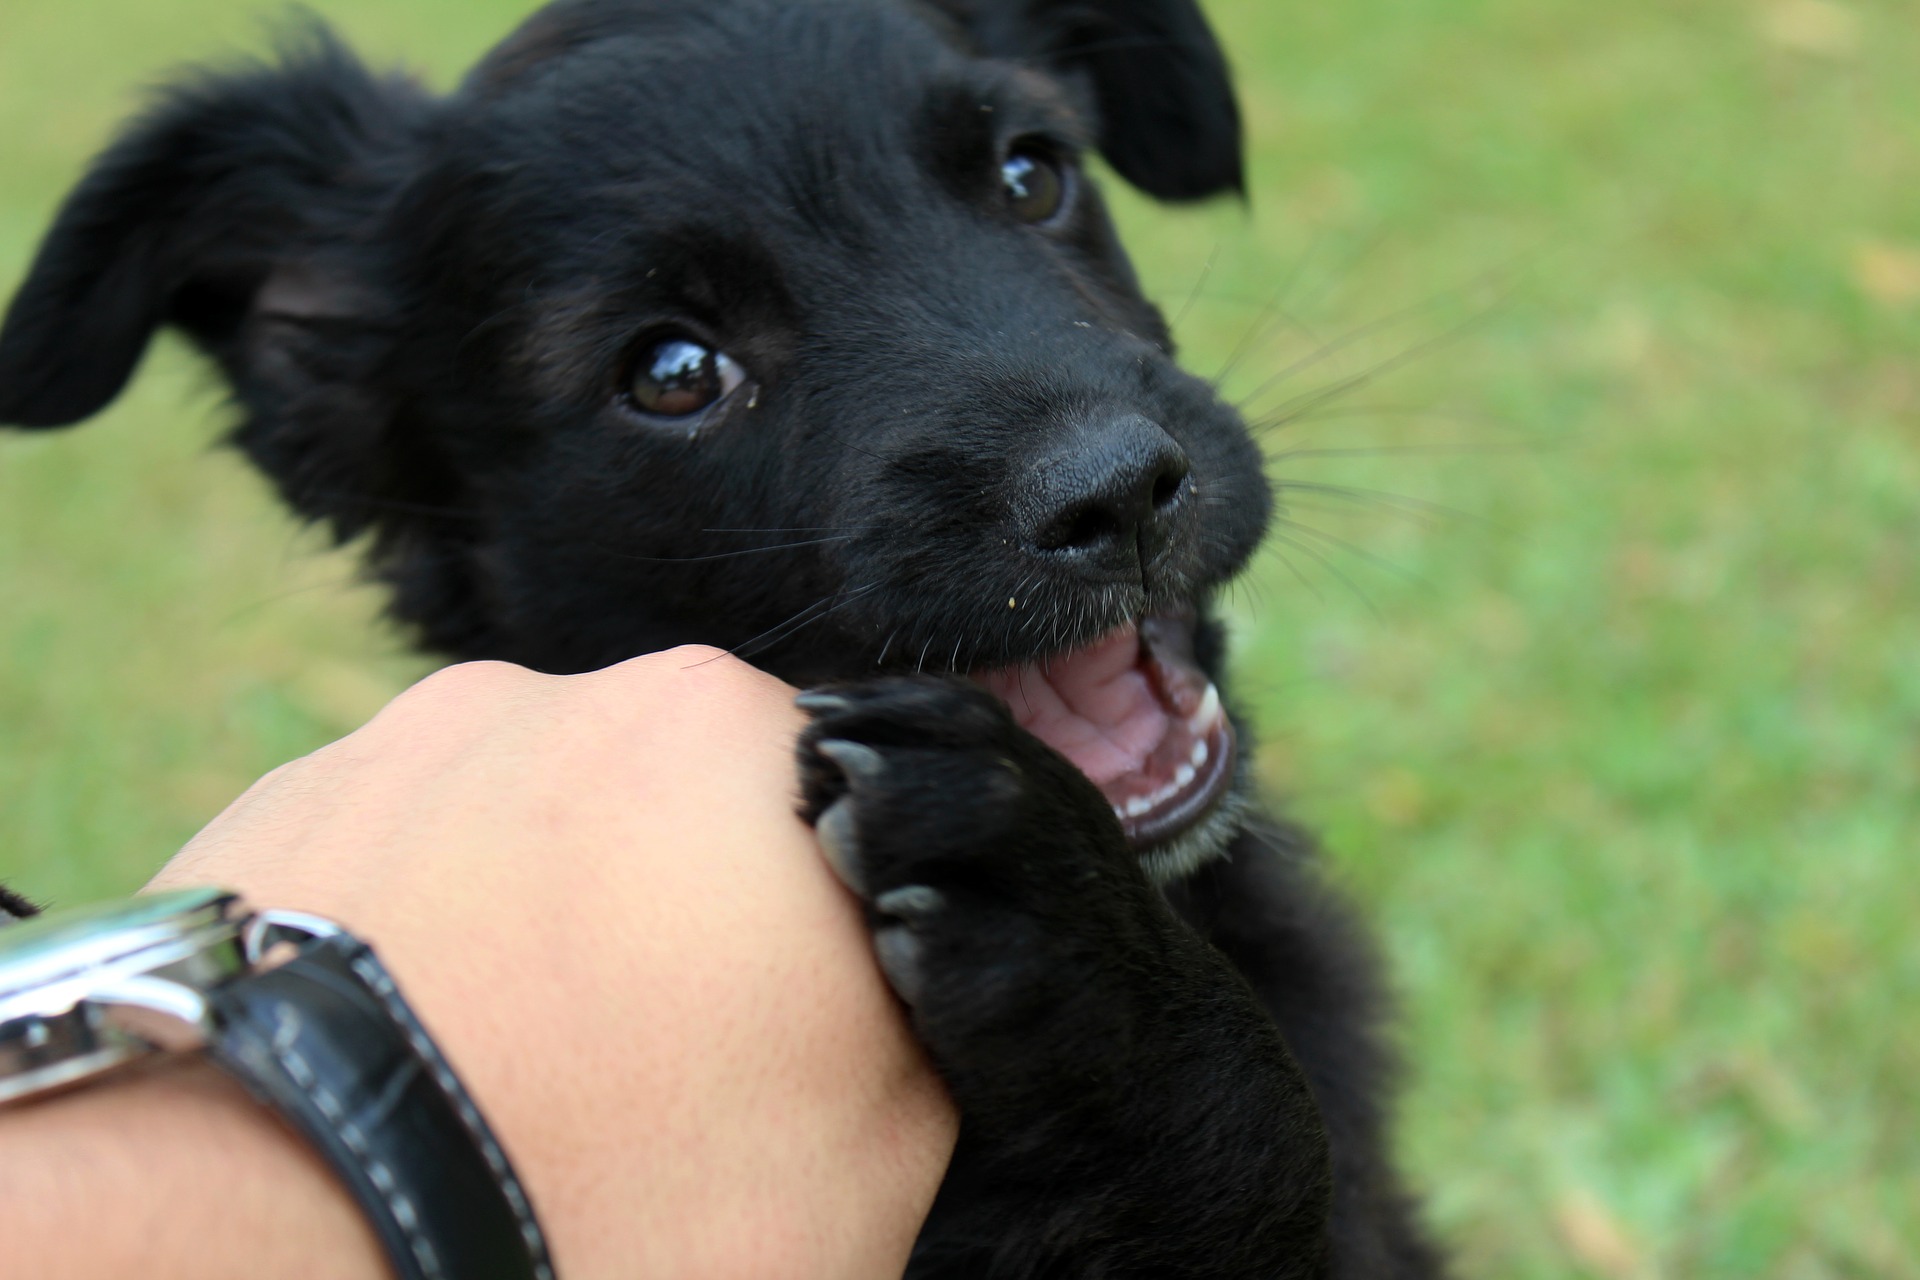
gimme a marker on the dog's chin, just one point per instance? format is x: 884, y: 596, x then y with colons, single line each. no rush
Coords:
x: 1136, y: 713
x: 1205, y: 841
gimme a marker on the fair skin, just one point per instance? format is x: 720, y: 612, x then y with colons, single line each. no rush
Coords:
x: 596, y: 893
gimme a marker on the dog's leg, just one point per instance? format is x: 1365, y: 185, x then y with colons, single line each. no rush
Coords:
x: 1264, y: 906
x: 1127, y: 1107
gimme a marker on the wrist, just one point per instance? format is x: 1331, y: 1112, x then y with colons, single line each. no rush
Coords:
x: 172, y: 1171
x: 307, y: 1019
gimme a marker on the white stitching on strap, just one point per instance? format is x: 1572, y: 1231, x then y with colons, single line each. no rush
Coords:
x: 286, y: 1031
x: 382, y: 985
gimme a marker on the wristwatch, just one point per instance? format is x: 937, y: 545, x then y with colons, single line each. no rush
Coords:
x: 305, y: 1016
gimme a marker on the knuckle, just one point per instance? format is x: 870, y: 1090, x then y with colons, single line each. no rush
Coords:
x: 688, y: 655
x: 452, y: 694
x: 468, y: 678
x: 702, y: 667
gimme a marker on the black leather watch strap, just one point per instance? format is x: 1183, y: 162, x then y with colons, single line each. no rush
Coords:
x: 327, y: 1041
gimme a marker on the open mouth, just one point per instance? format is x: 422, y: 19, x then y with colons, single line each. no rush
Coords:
x: 1138, y: 716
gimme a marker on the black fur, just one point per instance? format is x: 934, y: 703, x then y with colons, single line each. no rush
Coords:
x: 14, y: 907
x: 962, y: 442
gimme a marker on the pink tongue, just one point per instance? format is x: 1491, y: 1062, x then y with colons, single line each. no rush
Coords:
x: 1093, y: 706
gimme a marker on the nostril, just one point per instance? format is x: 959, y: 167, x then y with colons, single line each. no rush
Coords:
x: 1106, y: 492
x: 1084, y: 526
x: 1168, y: 485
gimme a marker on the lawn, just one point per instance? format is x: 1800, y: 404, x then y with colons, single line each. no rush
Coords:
x: 1586, y: 342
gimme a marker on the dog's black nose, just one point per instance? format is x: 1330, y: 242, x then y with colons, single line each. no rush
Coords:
x: 1106, y: 493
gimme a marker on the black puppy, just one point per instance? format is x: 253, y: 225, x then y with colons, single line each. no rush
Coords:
x: 797, y: 328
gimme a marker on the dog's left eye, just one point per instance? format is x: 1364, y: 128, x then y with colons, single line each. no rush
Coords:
x: 1036, y: 185
x: 677, y: 376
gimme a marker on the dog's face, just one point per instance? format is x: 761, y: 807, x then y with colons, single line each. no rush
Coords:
x: 794, y: 328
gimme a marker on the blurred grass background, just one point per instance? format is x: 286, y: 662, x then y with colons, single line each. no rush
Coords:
x: 1590, y: 337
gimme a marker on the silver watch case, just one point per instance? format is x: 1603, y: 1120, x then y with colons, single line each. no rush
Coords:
x: 86, y: 990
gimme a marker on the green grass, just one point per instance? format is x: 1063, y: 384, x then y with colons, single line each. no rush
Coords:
x: 1618, y: 740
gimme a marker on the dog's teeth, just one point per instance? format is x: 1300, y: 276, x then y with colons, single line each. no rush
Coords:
x: 1184, y: 775
x: 1202, y: 720
x: 1197, y: 758
x: 1139, y: 805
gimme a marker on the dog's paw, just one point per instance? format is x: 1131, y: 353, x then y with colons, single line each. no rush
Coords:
x: 1002, y: 894
x: 917, y: 777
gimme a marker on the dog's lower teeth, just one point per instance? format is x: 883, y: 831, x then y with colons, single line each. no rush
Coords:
x: 1139, y: 806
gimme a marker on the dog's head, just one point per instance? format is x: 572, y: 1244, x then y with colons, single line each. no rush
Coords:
x: 795, y: 328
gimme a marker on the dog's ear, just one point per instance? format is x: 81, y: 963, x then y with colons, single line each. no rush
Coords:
x: 1169, y: 123
x: 228, y: 183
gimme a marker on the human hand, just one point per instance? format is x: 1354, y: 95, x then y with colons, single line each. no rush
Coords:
x: 596, y: 893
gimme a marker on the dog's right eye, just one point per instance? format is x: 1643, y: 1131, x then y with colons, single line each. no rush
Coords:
x: 1034, y: 182
x: 676, y: 377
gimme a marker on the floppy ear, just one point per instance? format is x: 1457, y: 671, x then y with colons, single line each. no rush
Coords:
x: 229, y: 179
x: 1169, y: 123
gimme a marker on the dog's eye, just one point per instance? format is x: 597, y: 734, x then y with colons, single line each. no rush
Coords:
x: 1035, y: 184
x: 677, y: 376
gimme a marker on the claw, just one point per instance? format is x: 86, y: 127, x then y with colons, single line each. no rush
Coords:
x: 860, y: 762
x: 910, y: 901
x: 902, y: 959
x: 900, y: 950
x: 840, y: 842
x: 822, y: 702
